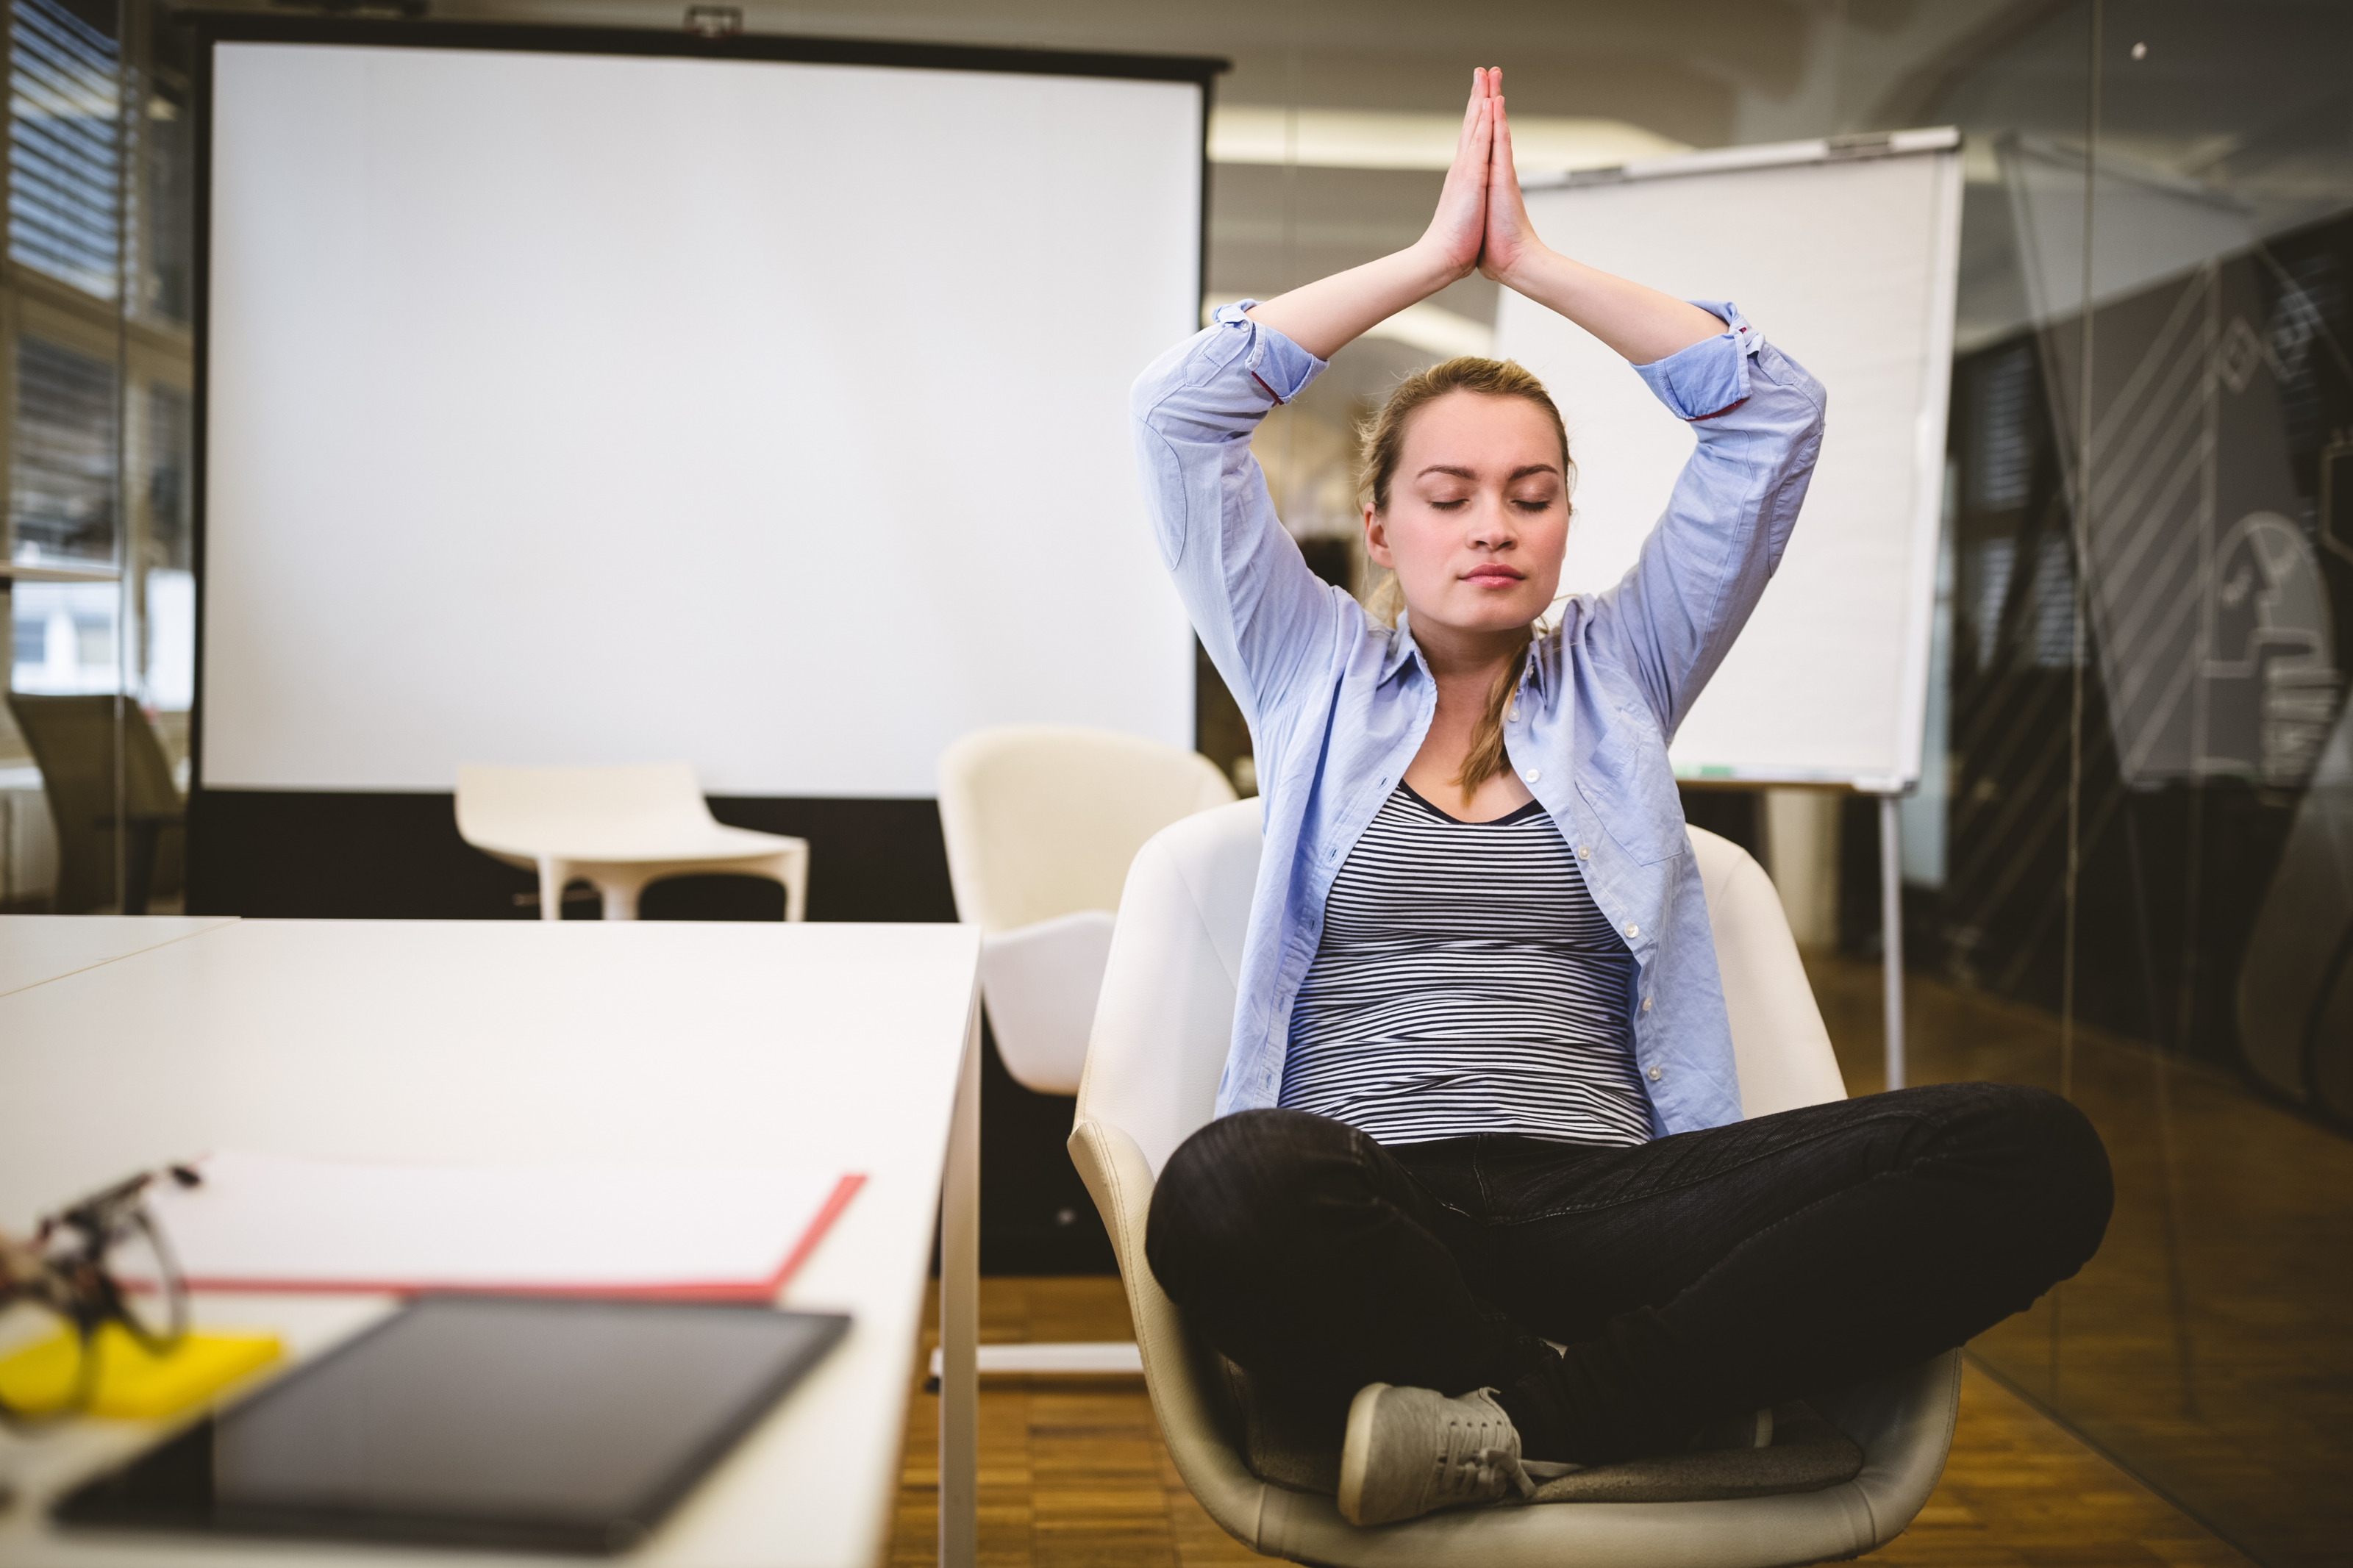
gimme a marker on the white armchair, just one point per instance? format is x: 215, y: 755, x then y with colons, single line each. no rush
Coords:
x: 1040, y: 822
x: 1162, y: 1028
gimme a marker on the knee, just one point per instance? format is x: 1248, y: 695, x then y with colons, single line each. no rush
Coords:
x: 1234, y: 1196
x: 2051, y: 1165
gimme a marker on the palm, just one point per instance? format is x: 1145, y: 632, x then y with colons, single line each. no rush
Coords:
x: 1459, y: 228
x: 1509, y: 237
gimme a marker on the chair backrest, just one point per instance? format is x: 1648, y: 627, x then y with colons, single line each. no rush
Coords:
x: 73, y: 741
x: 1041, y: 820
x: 1164, y: 1017
x: 524, y: 811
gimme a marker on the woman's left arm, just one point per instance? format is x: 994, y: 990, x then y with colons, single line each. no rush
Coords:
x: 1759, y: 417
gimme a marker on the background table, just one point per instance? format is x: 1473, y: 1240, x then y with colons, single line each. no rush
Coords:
x: 845, y: 1047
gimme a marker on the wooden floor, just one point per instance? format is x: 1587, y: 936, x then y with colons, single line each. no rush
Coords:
x: 1072, y: 1473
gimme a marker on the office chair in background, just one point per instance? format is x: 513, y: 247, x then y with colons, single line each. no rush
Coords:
x: 88, y: 748
x: 1041, y: 823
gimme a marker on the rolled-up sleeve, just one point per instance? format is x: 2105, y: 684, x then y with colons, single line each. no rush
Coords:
x: 1758, y: 419
x: 1261, y: 613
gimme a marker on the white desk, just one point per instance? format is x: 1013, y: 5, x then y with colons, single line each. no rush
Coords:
x: 841, y: 1046
x: 37, y: 948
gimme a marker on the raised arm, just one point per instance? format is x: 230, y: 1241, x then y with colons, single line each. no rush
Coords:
x: 1263, y: 617
x: 1759, y: 417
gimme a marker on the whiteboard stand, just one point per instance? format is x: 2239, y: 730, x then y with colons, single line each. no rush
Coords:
x: 1891, y: 921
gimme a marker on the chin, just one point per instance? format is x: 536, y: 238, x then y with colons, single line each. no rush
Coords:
x: 1515, y: 609
x: 1497, y: 615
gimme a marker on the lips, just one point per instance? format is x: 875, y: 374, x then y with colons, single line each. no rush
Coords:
x: 1494, y: 576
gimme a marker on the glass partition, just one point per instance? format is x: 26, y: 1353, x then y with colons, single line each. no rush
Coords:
x: 97, y: 556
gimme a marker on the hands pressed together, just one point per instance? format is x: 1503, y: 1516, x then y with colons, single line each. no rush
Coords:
x: 1481, y: 224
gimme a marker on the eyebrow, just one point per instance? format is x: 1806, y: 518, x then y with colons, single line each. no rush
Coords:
x: 1519, y: 473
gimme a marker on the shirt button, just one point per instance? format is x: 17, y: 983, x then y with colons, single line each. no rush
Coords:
x: 1585, y: 852
x: 1632, y: 931
x: 1646, y: 1004
x: 1654, y: 1075
x: 1513, y: 714
x: 1533, y: 774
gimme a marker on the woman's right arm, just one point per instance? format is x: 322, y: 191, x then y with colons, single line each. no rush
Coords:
x: 1261, y: 614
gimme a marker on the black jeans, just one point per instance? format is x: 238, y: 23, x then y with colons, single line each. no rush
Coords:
x: 1693, y: 1277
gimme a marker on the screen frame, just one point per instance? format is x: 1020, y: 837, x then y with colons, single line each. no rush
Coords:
x: 214, y: 28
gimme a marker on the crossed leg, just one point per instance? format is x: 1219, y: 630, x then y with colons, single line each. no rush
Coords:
x: 1690, y: 1278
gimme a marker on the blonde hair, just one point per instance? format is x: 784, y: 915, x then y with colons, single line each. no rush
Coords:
x: 1381, y: 446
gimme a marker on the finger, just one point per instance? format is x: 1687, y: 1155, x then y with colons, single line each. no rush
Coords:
x: 1472, y: 154
x: 1471, y: 112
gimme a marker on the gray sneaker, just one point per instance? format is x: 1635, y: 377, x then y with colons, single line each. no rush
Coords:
x: 1411, y: 1450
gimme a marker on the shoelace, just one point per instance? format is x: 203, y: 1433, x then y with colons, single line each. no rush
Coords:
x: 1473, y: 1465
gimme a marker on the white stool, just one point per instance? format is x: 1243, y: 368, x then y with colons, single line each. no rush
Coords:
x: 618, y: 829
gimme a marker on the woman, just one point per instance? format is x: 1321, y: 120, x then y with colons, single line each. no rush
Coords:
x: 1481, y: 1092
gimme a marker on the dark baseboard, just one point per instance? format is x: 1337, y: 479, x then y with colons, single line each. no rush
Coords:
x: 327, y: 856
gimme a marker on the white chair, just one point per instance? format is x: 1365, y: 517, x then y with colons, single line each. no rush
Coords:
x: 1040, y: 822
x: 618, y: 829
x: 1162, y: 1028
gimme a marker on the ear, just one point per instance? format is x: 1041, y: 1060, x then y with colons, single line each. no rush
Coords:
x: 1376, y: 538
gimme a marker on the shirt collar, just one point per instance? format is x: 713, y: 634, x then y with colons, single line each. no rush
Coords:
x: 1402, y: 647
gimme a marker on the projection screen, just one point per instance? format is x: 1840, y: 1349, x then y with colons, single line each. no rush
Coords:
x: 580, y: 408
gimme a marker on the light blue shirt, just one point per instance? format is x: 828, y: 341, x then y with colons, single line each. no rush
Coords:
x: 1338, y: 704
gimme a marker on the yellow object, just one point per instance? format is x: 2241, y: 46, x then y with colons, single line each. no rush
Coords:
x: 132, y: 1383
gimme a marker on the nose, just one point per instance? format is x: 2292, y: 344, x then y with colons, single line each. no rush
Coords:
x: 1494, y: 529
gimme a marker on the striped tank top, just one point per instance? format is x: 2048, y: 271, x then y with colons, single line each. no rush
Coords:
x: 1466, y: 983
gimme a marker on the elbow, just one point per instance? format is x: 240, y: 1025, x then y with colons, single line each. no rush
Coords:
x: 1794, y: 389
x: 1144, y: 398
x: 1166, y: 379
